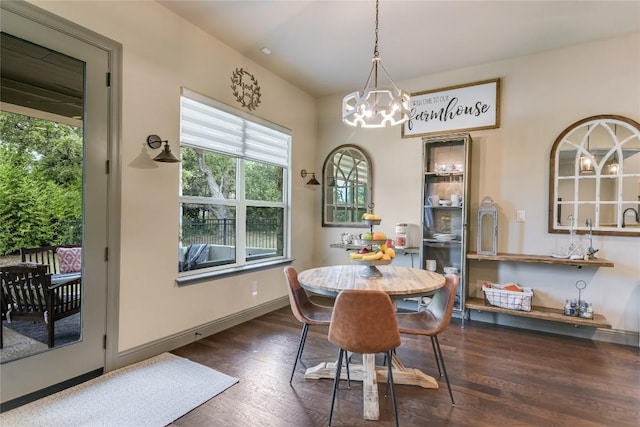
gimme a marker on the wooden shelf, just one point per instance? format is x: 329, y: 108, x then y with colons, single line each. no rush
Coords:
x: 541, y: 259
x: 543, y: 313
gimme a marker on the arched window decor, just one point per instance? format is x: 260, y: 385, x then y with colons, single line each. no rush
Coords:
x: 594, y: 178
x: 346, y: 187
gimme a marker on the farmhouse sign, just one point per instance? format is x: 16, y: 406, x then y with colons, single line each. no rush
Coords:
x: 455, y: 108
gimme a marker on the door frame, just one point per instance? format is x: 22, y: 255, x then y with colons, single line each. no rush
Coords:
x: 114, y: 52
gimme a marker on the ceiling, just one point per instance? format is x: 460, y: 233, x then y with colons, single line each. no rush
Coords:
x: 40, y: 79
x: 326, y: 47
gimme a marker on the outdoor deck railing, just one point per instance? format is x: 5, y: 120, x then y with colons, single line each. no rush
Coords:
x: 261, y: 233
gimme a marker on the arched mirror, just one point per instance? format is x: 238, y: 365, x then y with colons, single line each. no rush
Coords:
x: 346, y: 187
x: 594, y: 180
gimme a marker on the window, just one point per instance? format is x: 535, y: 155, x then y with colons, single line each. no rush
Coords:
x: 234, y: 193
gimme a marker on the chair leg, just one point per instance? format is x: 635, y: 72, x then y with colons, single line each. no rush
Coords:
x: 446, y: 377
x: 384, y: 360
x: 348, y: 374
x: 336, y: 380
x: 435, y: 354
x: 51, y: 332
x: 303, y: 338
x: 393, y: 391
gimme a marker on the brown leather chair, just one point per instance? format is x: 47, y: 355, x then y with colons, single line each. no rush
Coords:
x: 364, y: 322
x: 307, y: 312
x: 432, y: 320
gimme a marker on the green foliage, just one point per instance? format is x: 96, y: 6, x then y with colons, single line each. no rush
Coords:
x: 263, y: 182
x: 40, y: 182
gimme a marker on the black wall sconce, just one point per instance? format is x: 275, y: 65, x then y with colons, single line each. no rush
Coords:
x: 313, y: 180
x: 165, y: 156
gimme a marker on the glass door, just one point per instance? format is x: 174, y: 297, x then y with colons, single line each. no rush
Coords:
x: 55, y: 104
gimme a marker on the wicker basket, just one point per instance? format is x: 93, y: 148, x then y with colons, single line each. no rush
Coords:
x: 512, y: 300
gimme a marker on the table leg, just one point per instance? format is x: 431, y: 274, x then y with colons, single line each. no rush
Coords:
x: 406, y: 376
x: 370, y: 388
x: 363, y: 372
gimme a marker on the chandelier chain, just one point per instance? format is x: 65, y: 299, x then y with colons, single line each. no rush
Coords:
x: 376, y: 54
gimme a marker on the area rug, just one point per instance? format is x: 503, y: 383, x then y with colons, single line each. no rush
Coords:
x: 66, y: 330
x: 150, y: 393
x: 17, y: 345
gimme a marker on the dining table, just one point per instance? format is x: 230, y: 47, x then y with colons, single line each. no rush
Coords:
x: 397, y: 282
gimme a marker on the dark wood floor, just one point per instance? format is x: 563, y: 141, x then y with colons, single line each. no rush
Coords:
x: 500, y: 377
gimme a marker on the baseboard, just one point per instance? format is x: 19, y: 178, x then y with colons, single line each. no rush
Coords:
x: 172, y: 342
x: 614, y: 336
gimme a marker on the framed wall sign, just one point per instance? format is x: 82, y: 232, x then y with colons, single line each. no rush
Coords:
x: 456, y: 108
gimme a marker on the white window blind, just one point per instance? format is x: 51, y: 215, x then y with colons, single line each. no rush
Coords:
x: 205, y: 124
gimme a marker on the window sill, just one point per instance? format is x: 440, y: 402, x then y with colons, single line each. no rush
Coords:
x: 234, y: 271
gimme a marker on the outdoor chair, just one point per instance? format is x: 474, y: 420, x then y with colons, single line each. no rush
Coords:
x: 28, y: 294
x: 304, y: 310
x: 432, y: 320
x: 50, y: 256
x: 364, y: 322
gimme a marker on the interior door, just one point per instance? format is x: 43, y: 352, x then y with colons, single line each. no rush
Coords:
x: 36, y: 372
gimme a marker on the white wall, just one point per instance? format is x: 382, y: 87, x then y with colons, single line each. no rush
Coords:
x: 541, y: 95
x: 161, y: 53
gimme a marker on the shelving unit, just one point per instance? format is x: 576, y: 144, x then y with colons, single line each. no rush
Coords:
x: 444, y: 226
x: 537, y: 312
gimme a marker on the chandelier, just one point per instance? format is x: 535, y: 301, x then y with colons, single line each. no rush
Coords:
x: 377, y: 105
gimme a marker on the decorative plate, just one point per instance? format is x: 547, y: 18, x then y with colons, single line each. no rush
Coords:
x: 444, y: 237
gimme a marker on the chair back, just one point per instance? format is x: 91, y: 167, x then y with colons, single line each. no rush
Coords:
x: 364, y: 322
x: 298, y: 298
x: 441, y: 306
x: 25, y: 288
x: 46, y: 255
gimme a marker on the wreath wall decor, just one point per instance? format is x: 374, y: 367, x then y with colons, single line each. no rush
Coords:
x: 245, y: 88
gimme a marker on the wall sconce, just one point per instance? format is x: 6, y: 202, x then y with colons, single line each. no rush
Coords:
x: 313, y: 180
x: 165, y: 156
x: 487, y: 227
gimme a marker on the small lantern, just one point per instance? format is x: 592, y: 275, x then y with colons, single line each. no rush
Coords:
x: 487, y: 227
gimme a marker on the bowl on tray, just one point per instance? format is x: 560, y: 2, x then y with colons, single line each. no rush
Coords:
x: 370, y: 271
x: 365, y: 242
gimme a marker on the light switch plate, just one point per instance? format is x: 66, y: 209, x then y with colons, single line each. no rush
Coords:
x: 520, y: 216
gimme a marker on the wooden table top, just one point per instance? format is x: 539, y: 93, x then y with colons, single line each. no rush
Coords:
x: 395, y: 281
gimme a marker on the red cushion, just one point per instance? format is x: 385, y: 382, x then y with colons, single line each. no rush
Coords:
x: 70, y: 259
